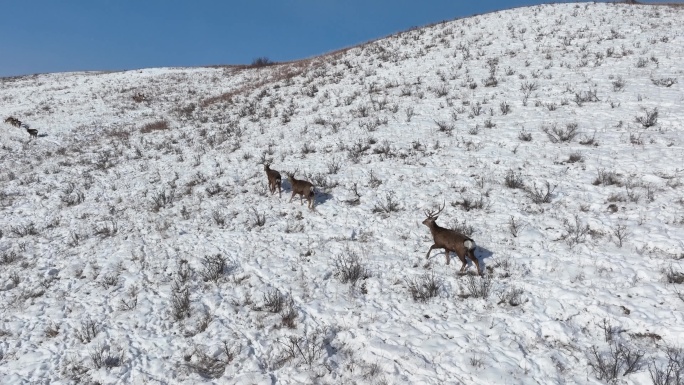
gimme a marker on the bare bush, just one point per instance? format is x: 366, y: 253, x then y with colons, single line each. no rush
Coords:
x: 262, y: 61
x: 649, y: 119
x: 620, y: 360
x: 557, y: 134
x: 163, y: 199
x: 479, y: 287
x: 525, y: 136
x: 180, y: 304
x: 258, y: 220
x: 106, y: 229
x: 274, y: 301
x: 23, y: 230
x: 469, y: 203
x: 588, y: 141
x: 621, y: 233
x: 105, y: 356
x: 513, y: 180
x: 348, y: 268
x: 388, y: 205
x: 424, y: 287
x: 575, y: 231
x: 672, y: 371
x: 209, y: 366
x: 607, y: 178
x: 88, y: 331
x: 542, y: 194
x: 334, y: 166
x: 159, y: 125
x: 8, y: 256
x: 575, y: 157
x: 586, y: 97
x: 515, y: 227
x: 308, y: 348
x: 131, y: 302
x: 673, y: 276
x: 462, y: 227
x: 213, y: 267
x: 512, y: 297
x: 71, y: 196
x: 664, y: 82
x: 619, y: 84
x: 445, y: 127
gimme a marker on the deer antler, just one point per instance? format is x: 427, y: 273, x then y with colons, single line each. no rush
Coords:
x: 432, y: 213
x: 294, y: 172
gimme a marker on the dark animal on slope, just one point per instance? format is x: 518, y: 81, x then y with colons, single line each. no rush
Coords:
x: 302, y: 188
x: 274, y: 180
x: 13, y: 121
x: 450, y: 240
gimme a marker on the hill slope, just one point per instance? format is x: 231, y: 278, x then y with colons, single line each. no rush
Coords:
x: 140, y: 244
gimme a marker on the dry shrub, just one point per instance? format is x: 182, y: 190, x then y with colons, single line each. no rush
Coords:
x: 159, y: 125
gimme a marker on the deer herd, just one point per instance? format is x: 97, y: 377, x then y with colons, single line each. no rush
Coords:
x: 447, y: 239
x: 443, y: 238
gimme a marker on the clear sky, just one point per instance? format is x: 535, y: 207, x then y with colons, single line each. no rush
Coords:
x: 38, y: 36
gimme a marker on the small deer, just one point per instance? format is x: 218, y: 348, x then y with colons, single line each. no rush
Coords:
x: 302, y: 188
x: 274, y: 180
x: 450, y: 240
x: 32, y: 131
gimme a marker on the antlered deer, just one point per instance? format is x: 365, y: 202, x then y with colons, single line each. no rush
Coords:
x: 450, y: 240
x: 274, y: 180
x: 302, y: 188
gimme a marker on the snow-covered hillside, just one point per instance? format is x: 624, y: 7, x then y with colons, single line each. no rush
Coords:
x: 139, y: 242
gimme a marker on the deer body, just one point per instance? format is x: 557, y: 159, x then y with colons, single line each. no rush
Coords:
x: 302, y: 188
x: 451, y: 240
x: 274, y: 180
x: 32, y: 131
x: 13, y: 121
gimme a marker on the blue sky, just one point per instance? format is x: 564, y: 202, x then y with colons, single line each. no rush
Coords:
x: 38, y: 36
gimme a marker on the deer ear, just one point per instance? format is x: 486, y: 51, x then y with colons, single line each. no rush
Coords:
x: 435, y: 218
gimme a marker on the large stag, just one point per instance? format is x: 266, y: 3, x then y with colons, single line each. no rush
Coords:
x: 450, y: 240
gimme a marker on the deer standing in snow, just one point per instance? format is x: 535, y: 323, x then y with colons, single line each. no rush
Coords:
x: 302, y: 188
x: 274, y: 180
x: 450, y: 240
x: 13, y: 121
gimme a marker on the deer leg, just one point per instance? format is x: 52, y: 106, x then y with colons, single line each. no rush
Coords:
x: 463, y: 261
x: 292, y: 197
x: 428, y: 253
x: 471, y: 255
x: 446, y: 254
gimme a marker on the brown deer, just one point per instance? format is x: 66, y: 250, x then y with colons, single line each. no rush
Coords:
x: 32, y: 131
x: 274, y: 180
x: 13, y: 121
x: 302, y: 188
x: 450, y: 240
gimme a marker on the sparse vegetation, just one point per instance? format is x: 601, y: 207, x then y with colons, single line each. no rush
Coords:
x: 142, y: 210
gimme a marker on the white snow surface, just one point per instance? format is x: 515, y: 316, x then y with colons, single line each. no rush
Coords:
x: 107, y: 223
